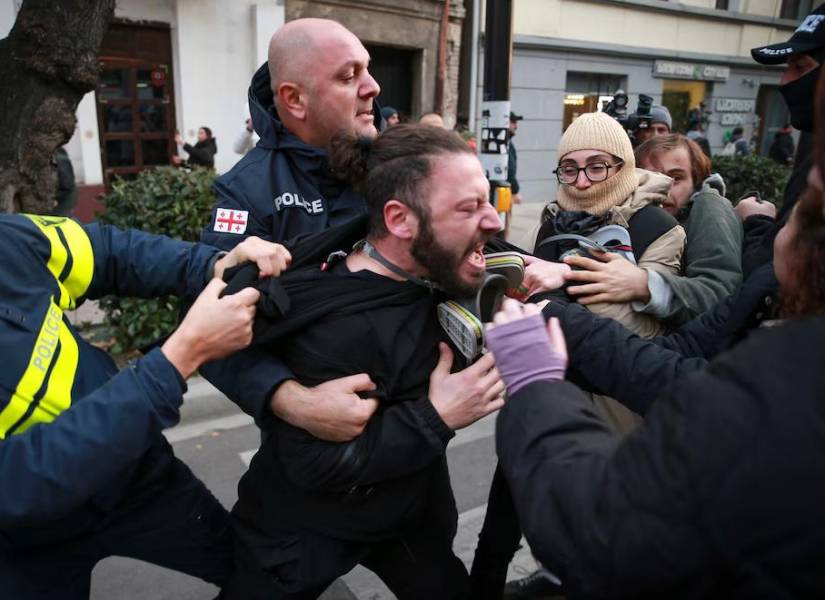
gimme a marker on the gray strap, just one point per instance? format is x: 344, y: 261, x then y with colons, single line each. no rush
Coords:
x: 370, y: 250
x: 572, y: 236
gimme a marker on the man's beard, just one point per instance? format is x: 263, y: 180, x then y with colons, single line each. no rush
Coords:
x: 443, y: 264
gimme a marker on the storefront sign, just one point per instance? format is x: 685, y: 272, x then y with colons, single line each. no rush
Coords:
x: 734, y: 105
x: 735, y: 118
x: 680, y: 70
x: 574, y: 99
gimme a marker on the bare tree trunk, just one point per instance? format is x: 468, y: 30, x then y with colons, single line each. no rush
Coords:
x: 48, y: 62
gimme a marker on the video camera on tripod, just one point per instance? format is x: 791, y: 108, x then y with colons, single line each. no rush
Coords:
x: 634, y: 122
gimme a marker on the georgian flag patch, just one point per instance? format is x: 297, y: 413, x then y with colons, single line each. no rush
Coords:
x: 230, y: 221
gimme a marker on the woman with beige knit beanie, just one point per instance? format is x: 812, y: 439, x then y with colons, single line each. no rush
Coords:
x: 599, y: 185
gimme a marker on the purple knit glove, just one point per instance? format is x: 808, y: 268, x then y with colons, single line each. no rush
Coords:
x: 524, y: 354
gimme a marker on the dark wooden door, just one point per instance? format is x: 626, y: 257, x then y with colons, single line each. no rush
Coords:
x: 135, y: 100
x: 392, y: 68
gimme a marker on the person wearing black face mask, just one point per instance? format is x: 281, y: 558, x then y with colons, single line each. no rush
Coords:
x: 803, y: 55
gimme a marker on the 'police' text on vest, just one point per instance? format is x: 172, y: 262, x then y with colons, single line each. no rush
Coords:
x: 287, y: 199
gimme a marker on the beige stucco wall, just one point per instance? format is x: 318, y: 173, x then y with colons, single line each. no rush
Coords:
x: 596, y: 22
x: 764, y: 8
x: 701, y: 3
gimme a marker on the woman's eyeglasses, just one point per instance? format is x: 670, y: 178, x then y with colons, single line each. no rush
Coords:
x: 595, y: 172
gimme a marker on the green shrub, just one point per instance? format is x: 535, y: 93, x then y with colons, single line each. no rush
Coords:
x: 166, y: 200
x: 753, y: 172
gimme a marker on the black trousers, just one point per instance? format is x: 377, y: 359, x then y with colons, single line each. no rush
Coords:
x: 178, y: 524
x: 498, y: 542
x: 418, y: 566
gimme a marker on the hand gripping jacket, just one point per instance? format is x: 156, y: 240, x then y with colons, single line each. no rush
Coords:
x: 73, y: 430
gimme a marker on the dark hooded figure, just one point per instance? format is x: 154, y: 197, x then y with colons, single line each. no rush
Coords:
x: 782, y: 147
x: 802, y: 56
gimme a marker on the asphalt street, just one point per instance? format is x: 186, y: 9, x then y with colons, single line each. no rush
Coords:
x: 217, y: 442
x: 218, y: 453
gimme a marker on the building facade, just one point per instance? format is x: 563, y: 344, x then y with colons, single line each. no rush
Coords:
x: 570, y: 56
x: 178, y: 65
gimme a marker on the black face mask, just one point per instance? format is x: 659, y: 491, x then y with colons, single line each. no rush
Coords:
x: 799, y: 96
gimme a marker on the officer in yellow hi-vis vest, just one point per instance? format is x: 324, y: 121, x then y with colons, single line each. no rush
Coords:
x: 84, y: 469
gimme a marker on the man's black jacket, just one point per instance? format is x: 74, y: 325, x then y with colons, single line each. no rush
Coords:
x: 342, y: 323
x: 718, y: 494
x: 373, y: 486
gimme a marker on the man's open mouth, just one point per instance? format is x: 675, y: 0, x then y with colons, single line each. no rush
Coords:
x: 476, y: 257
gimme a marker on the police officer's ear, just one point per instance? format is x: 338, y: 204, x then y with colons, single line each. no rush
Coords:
x: 400, y: 221
x: 290, y: 98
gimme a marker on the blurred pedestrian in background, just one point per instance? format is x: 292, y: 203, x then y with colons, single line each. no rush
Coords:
x: 390, y: 115
x: 66, y: 196
x: 661, y: 123
x: 782, y: 148
x: 736, y: 144
x: 202, y: 154
x: 432, y: 119
x: 512, y: 158
x: 247, y: 138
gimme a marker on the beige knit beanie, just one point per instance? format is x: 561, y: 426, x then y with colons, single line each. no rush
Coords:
x: 597, y: 131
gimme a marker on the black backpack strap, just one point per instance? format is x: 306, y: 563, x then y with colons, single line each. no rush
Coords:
x: 580, y: 239
x: 550, y: 252
x: 648, y: 225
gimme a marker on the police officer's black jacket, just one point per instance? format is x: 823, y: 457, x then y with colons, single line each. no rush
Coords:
x: 283, y: 184
x: 282, y: 189
x: 606, y: 357
x: 718, y: 494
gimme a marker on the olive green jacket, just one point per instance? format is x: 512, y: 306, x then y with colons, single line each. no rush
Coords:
x: 712, y: 261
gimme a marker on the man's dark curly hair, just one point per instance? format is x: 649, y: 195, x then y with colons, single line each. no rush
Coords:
x: 396, y: 165
x: 804, y: 292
